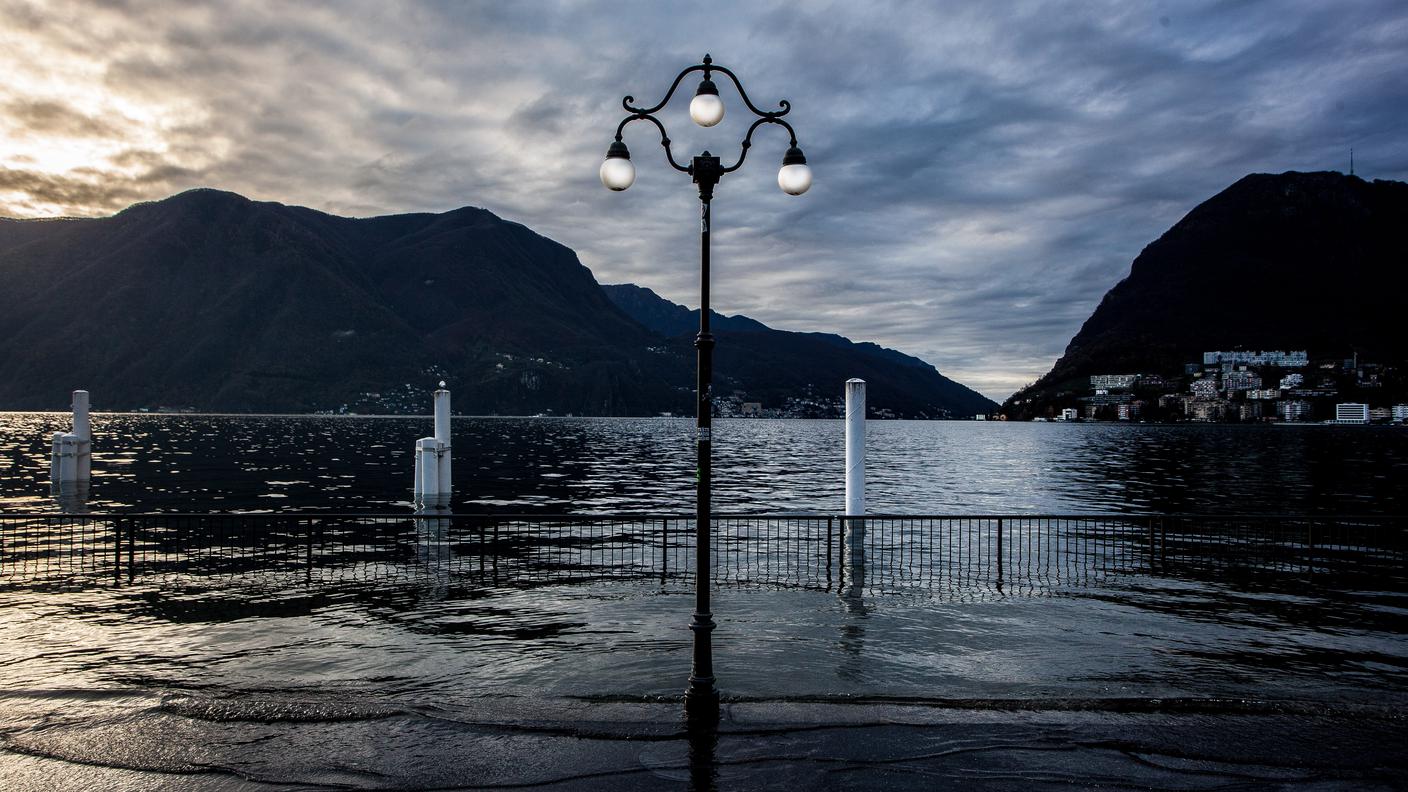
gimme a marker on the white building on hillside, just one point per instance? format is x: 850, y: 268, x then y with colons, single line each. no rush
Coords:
x: 1352, y: 413
x: 1293, y: 410
x: 1204, y: 388
x: 1296, y: 359
x: 1113, y: 381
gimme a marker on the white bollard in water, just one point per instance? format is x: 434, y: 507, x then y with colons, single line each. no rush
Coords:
x: 415, y: 482
x: 68, y: 457
x: 71, y: 453
x: 433, y: 481
x: 55, y: 449
x: 83, y: 431
x: 855, y: 447
x: 855, y: 474
x: 428, y: 467
x: 442, y: 434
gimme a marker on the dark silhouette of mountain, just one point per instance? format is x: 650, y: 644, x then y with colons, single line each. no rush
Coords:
x: 671, y: 319
x: 770, y: 365
x: 1308, y: 261
x: 211, y: 301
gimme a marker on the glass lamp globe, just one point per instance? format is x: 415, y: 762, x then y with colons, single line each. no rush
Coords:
x: 617, y: 172
x: 795, y: 177
x: 706, y: 108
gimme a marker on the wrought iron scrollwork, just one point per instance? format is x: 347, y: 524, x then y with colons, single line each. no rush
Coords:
x: 707, y: 67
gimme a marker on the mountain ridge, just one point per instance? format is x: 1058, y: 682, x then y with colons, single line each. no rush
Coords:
x: 749, y: 350
x: 1274, y: 261
x: 209, y: 300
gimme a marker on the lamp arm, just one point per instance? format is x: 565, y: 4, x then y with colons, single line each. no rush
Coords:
x: 748, y: 139
x: 664, y: 138
x: 784, y: 104
x: 626, y: 103
x: 764, y: 116
x: 706, y: 67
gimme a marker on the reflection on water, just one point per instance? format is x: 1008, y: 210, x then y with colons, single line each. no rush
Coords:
x: 434, y: 620
x: 851, y: 645
x: 71, y: 497
x: 193, y: 462
x: 444, y: 641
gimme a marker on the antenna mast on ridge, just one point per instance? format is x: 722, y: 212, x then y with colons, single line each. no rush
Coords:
x: 1351, y: 161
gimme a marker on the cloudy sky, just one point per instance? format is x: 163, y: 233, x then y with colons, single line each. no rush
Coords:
x: 984, y: 171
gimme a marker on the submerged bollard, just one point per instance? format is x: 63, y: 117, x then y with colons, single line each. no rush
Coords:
x: 432, y: 457
x: 428, y: 467
x: 70, y: 453
x: 54, y: 458
x: 82, y: 430
x: 442, y: 435
x: 64, y: 458
x: 855, y: 471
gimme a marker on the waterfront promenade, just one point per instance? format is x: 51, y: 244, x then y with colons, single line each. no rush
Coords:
x: 182, y: 743
x: 319, y: 651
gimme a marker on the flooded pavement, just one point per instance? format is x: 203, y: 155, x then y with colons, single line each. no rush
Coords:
x: 189, y: 743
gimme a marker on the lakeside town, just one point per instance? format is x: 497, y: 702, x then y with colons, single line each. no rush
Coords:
x: 1244, y: 387
x: 1238, y: 386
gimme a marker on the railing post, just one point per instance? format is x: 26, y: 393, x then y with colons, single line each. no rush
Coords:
x: 828, y: 552
x: 664, y: 549
x: 117, y: 549
x: 1151, y: 543
x: 999, y: 553
x: 840, y: 553
x: 478, y: 526
x: 1310, y: 546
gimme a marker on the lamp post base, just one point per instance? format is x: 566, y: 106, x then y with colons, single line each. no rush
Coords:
x: 701, y: 701
x: 701, y: 698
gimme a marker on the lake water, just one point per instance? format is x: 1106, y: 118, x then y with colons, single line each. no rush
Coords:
x: 320, y: 650
x: 578, y: 465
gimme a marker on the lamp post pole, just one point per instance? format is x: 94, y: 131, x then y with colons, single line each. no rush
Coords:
x: 617, y: 173
x: 702, y: 695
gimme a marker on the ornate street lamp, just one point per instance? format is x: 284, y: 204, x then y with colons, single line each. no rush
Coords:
x: 617, y: 173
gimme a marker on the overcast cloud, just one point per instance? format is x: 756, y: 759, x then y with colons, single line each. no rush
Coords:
x: 984, y: 171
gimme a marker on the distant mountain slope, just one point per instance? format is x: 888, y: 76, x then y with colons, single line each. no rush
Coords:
x: 213, y: 301
x: 671, y: 319
x: 1292, y: 261
x: 771, y: 364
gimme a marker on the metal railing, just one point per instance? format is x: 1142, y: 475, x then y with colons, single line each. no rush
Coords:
x: 880, y: 553
x: 1040, y: 552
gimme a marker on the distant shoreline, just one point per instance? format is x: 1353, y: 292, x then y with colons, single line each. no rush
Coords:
x: 428, y: 416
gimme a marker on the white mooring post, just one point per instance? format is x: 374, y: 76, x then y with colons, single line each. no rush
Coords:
x: 63, y: 463
x: 442, y: 436
x: 71, y: 453
x: 83, y: 431
x: 855, y: 448
x: 855, y: 471
x: 432, y: 476
x: 427, y: 467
